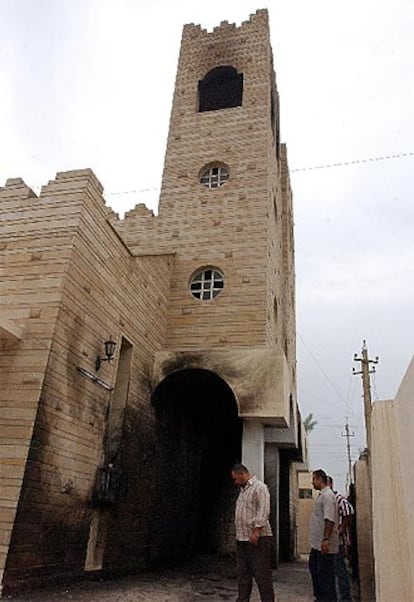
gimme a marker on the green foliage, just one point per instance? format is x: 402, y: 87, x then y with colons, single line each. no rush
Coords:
x: 309, y: 423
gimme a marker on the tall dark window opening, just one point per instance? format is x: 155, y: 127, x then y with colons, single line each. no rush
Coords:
x: 274, y: 119
x: 221, y: 88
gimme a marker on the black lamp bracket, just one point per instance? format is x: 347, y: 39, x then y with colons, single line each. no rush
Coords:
x: 109, y: 354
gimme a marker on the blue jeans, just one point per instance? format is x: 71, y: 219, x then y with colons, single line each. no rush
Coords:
x: 342, y: 577
x: 322, y: 571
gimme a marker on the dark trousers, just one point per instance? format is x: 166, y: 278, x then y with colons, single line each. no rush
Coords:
x: 322, y: 570
x: 254, y: 562
x: 342, y: 576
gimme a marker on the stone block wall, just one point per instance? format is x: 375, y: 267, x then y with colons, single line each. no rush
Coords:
x: 36, y: 242
x: 243, y: 227
x: 102, y: 291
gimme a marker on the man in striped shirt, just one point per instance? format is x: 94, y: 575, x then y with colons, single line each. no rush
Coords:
x: 345, y: 513
x: 253, y: 535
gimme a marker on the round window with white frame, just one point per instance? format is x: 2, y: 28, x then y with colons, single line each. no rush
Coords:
x: 214, y: 176
x: 207, y: 284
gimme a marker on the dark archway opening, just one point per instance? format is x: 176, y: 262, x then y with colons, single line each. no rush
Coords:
x: 199, y: 439
x: 221, y: 88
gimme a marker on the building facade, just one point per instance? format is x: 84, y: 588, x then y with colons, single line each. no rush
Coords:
x: 119, y: 465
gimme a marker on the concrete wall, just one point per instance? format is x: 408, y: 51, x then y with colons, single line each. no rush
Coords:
x: 363, y: 513
x: 405, y: 426
x: 393, y: 494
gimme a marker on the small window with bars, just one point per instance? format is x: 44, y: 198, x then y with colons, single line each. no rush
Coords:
x: 214, y: 177
x: 207, y: 284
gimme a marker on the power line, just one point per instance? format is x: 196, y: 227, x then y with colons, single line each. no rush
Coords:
x: 295, y: 170
x: 153, y: 189
x: 338, y: 426
x: 323, y: 372
x: 374, y: 386
x: 353, y: 162
x: 332, y: 445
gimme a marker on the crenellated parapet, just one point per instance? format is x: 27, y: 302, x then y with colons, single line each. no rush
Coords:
x: 145, y: 233
x: 63, y: 198
x: 74, y: 181
x: 140, y: 211
x: 202, y: 50
x: 16, y: 187
x: 257, y: 19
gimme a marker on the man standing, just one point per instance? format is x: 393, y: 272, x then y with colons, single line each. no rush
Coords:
x: 254, y: 535
x: 323, y: 537
x: 345, y: 512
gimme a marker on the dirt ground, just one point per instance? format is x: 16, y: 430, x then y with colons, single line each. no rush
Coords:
x: 210, y: 580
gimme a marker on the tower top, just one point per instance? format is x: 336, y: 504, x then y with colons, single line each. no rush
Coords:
x: 260, y: 17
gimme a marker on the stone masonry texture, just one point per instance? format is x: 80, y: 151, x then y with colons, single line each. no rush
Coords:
x: 104, y: 470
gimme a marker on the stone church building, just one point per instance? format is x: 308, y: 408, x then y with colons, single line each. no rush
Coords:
x: 140, y: 358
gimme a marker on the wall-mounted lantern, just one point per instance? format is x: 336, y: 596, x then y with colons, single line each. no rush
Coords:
x: 109, y: 353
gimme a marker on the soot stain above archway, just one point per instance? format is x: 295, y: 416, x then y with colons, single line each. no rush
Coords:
x: 205, y: 398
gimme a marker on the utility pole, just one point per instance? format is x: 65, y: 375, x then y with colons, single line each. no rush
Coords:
x: 347, y: 434
x: 366, y: 386
x: 364, y: 485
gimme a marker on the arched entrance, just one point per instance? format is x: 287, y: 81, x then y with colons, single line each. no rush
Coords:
x: 198, y: 440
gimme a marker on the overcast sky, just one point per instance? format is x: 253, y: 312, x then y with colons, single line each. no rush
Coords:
x: 89, y: 83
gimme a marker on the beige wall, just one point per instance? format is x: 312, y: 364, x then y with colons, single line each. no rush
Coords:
x: 393, y: 494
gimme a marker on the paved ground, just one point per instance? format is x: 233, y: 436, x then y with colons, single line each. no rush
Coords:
x: 213, y: 581
x: 207, y: 580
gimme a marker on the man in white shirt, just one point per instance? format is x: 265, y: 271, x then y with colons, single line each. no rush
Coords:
x: 253, y: 535
x: 323, y: 538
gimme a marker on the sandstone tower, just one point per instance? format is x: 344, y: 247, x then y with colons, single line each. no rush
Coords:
x: 128, y: 465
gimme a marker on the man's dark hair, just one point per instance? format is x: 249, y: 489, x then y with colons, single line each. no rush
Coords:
x: 321, y: 474
x: 329, y: 480
x: 240, y: 468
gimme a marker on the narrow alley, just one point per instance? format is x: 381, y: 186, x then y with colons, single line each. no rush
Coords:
x: 213, y: 580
